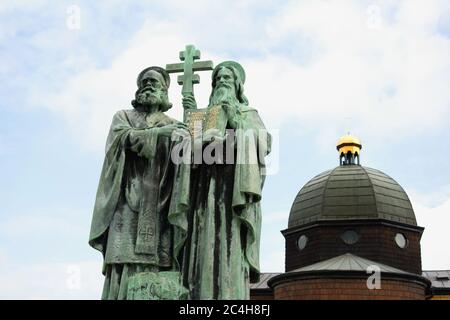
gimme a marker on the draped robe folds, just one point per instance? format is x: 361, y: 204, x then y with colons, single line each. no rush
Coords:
x: 131, y: 224
x: 222, y: 251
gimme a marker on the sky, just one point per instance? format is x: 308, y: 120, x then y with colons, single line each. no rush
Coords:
x: 315, y: 71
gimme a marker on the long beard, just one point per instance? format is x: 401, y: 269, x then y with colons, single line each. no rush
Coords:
x: 146, y: 97
x: 223, y: 95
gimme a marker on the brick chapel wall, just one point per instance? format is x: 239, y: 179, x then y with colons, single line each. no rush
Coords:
x: 376, y: 243
x: 348, y: 289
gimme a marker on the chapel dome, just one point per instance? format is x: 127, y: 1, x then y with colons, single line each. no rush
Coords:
x: 351, y: 192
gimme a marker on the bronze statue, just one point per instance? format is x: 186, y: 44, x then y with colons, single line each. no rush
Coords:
x: 130, y: 225
x: 222, y: 251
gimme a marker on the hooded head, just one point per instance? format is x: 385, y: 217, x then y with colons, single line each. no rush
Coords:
x: 228, y: 80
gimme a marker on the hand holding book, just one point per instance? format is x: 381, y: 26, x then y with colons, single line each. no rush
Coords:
x: 230, y: 113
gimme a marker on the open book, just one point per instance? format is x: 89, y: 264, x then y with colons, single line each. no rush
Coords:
x: 199, y: 121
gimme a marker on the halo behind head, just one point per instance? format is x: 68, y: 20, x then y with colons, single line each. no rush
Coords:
x: 233, y: 64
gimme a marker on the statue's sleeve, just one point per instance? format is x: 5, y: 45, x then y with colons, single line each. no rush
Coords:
x: 178, y: 210
x: 253, y: 121
x: 111, y: 177
x: 252, y: 145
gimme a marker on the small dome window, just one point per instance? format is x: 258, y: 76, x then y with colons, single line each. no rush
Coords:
x: 302, y: 241
x: 401, y: 240
x: 350, y: 237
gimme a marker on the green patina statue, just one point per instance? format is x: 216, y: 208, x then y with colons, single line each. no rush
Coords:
x: 131, y: 224
x: 222, y: 249
x: 175, y: 230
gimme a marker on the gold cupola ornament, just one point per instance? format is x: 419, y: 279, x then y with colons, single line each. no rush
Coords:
x: 349, y: 148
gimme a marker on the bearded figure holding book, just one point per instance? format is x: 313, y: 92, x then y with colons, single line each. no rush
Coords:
x: 221, y: 256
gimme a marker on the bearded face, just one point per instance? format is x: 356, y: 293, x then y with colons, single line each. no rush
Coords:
x: 224, y: 91
x: 149, y: 96
x: 152, y: 90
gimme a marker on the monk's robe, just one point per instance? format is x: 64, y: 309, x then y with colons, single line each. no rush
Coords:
x: 222, y: 251
x: 131, y: 223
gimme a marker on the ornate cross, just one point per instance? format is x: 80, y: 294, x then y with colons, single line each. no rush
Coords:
x: 188, y: 78
x: 146, y: 233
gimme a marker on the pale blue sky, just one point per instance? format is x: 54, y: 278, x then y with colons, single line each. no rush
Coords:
x: 315, y: 69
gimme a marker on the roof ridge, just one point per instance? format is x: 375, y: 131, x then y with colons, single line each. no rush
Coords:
x: 373, y: 189
x: 325, y: 189
x: 351, y: 192
x: 396, y: 183
x: 338, y: 262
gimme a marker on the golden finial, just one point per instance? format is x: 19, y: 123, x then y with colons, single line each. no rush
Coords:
x: 349, y: 148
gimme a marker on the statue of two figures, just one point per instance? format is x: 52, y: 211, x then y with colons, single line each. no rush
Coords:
x: 177, y: 212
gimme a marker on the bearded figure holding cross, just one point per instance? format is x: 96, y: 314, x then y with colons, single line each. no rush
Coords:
x: 224, y: 216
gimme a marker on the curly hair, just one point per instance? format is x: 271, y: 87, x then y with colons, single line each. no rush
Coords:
x: 165, y: 105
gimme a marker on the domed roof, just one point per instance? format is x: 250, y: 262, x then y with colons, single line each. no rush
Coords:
x: 351, y: 192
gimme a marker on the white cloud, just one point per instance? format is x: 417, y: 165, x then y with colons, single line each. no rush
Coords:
x: 387, y: 81
x: 273, y: 261
x: 3, y: 258
x: 72, y: 280
x: 90, y: 98
x: 276, y: 216
x: 390, y: 80
x: 50, y: 221
x: 272, y: 241
x: 432, y: 199
x: 7, y: 5
x: 435, y: 238
x: 58, y: 263
x: 3, y: 146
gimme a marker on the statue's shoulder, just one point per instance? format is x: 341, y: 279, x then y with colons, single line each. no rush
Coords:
x: 139, y: 118
x: 131, y: 115
x: 127, y: 117
x: 123, y: 114
x: 159, y: 119
x: 120, y: 115
x: 128, y: 112
x: 170, y: 119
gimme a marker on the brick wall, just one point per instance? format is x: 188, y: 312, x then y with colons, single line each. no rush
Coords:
x: 254, y: 295
x: 348, y: 289
x: 376, y: 243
